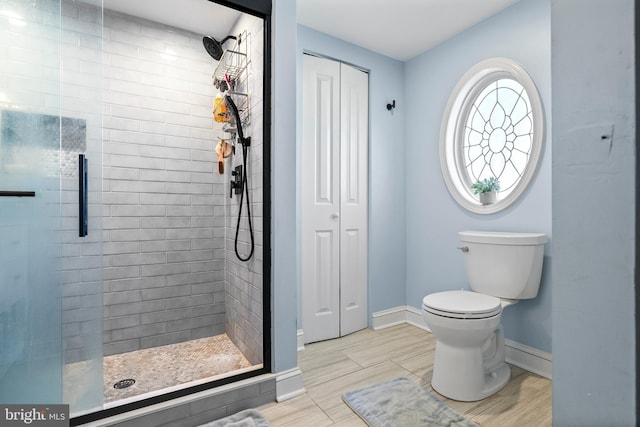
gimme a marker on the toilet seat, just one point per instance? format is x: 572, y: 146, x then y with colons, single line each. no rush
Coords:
x: 462, y: 305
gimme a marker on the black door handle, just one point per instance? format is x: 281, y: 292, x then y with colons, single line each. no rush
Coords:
x: 17, y: 194
x: 83, y: 181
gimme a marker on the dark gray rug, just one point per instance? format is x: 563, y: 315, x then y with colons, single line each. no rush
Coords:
x: 246, y: 418
x: 401, y: 402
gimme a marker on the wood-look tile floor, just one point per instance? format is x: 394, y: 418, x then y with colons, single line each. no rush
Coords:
x: 364, y: 358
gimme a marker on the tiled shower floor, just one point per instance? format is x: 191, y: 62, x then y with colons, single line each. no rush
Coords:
x: 165, y: 367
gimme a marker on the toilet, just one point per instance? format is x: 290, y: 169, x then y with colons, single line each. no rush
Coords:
x: 502, y: 268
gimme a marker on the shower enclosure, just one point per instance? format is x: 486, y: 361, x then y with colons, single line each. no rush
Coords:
x: 129, y: 269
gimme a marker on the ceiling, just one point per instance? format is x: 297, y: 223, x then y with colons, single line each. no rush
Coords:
x: 200, y: 16
x: 400, y: 29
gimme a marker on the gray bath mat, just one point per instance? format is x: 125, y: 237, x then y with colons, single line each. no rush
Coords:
x: 401, y: 402
x: 246, y: 418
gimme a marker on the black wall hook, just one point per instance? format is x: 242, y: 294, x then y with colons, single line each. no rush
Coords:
x: 391, y: 106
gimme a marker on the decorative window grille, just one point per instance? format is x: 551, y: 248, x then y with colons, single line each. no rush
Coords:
x: 493, y: 126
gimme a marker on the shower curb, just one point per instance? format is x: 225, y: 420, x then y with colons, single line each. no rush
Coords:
x: 202, y: 406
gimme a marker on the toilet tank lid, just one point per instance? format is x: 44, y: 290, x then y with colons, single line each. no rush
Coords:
x: 503, y: 238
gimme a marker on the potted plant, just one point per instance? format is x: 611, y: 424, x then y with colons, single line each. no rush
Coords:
x: 486, y: 190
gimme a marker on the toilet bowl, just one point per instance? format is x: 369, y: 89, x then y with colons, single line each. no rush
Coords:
x: 469, y: 361
x: 469, y: 345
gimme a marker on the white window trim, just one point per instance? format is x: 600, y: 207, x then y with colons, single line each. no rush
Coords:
x: 454, y: 120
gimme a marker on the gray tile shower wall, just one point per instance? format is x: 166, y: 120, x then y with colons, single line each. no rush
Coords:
x: 244, y: 281
x: 163, y: 204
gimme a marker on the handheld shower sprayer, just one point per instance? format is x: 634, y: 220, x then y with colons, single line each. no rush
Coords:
x: 236, y: 117
x: 243, y: 183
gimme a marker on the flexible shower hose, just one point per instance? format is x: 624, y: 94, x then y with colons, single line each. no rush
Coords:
x: 245, y: 189
x: 245, y: 182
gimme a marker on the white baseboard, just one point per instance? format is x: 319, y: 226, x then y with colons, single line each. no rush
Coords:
x: 289, y: 384
x: 528, y: 358
x: 386, y: 318
x: 397, y: 316
x: 300, y: 341
x: 520, y: 355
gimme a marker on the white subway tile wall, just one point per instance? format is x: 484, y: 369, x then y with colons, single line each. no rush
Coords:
x: 163, y: 202
x: 244, y: 280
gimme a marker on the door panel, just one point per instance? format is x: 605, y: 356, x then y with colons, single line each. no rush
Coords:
x: 30, y: 290
x: 334, y: 199
x: 49, y: 313
x: 354, y: 141
x: 324, y: 140
x: 320, y: 204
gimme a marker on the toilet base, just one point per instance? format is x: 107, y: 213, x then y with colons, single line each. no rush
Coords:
x: 459, y: 375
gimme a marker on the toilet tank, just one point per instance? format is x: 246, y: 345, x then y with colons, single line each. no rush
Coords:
x: 504, y: 265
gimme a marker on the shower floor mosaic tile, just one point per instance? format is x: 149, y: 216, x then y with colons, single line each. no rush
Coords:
x: 164, y: 367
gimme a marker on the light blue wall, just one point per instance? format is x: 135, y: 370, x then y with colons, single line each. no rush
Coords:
x: 594, y: 237
x: 522, y: 33
x: 593, y: 246
x: 387, y: 143
x: 283, y: 152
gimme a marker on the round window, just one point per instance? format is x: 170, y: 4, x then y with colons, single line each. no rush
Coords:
x: 492, y: 130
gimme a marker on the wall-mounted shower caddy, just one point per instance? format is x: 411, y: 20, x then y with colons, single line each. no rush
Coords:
x: 231, y: 77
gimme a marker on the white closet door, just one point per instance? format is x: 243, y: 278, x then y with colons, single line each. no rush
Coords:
x: 320, y: 199
x: 354, y: 142
x: 334, y: 198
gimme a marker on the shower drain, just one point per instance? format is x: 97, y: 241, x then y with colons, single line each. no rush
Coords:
x: 124, y: 383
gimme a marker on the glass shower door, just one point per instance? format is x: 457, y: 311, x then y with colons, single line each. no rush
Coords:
x: 50, y: 276
x: 30, y: 279
x: 81, y: 205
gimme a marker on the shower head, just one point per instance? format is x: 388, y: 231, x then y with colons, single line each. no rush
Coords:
x: 214, y: 47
